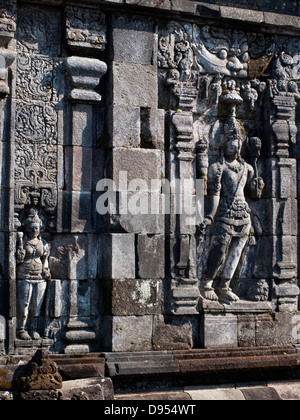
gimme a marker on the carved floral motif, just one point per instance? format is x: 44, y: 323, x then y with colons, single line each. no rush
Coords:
x: 36, y: 130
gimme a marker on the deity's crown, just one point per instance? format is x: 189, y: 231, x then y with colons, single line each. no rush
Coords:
x: 32, y: 217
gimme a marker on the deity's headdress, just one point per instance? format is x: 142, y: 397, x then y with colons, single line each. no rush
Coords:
x: 32, y: 217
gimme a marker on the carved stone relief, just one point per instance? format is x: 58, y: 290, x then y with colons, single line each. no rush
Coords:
x: 85, y: 28
x: 218, y: 81
x: 32, y: 276
x: 8, y: 25
x: 36, y: 126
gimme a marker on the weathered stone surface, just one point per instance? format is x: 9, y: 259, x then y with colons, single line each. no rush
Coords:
x: 91, y: 389
x: 129, y: 93
x: 261, y: 394
x: 151, y: 256
x: 74, y: 257
x: 139, y: 164
x: 133, y: 39
x: 117, y: 256
x: 85, y: 75
x: 286, y: 390
x: 219, y: 331
x: 132, y: 333
x: 40, y: 374
x: 2, y: 334
x: 168, y: 335
x: 214, y: 393
x: 152, y: 128
x: 124, y: 126
x: 142, y: 297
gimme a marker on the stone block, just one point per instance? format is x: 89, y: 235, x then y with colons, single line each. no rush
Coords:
x: 138, y: 223
x: 79, y: 168
x: 132, y: 333
x: 99, y: 157
x: 139, y: 164
x: 162, y: 4
x: 91, y: 389
x: 287, y: 391
x: 124, y: 126
x: 151, y: 256
x: 276, y: 329
x: 74, y: 257
x: 142, y: 297
x: 219, y: 331
x: 82, y: 125
x: 117, y: 256
x: 279, y: 174
x: 152, y: 128
x: 252, y: 16
x: 260, y: 394
x: 133, y: 39
x: 85, y: 74
x: 173, y: 334
x: 246, y: 330
x: 214, y: 393
x: 135, y: 85
x: 2, y: 334
x: 81, y: 212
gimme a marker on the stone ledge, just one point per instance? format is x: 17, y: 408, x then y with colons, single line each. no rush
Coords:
x: 284, y: 22
x: 135, y: 371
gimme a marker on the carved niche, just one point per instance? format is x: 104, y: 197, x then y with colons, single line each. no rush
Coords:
x: 220, y: 78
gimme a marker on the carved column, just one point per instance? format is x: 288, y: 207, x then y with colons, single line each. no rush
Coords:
x: 184, y: 288
x: 281, y: 127
x: 85, y: 35
x: 8, y: 25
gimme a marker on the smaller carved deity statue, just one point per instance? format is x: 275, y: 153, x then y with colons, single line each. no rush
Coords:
x: 32, y: 275
x: 229, y: 214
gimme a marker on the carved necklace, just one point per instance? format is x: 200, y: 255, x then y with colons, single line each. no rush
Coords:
x: 33, y: 247
x: 235, y: 168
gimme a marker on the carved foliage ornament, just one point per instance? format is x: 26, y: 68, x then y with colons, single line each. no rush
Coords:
x: 85, y: 28
x: 213, y: 50
x: 8, y: 13
x: 36, y: 127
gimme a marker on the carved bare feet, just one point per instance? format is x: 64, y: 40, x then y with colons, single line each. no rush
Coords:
x: 23, y: 335
x: 35, y: 335
x: 209, y: 294
x: 227, y: 296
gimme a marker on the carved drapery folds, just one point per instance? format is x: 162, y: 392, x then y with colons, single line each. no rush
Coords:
x: 219, y: 78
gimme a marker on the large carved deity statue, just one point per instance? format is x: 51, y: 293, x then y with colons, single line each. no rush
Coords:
x: 228, y: 213
x: 32, y: 275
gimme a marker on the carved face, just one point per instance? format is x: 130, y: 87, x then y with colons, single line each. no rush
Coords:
x: 33, y: 229
x: 222, y: 51
x: 232, y: 148
x: 32, y: 226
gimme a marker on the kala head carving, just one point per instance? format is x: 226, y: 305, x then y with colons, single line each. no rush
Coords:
x: 221, y: 51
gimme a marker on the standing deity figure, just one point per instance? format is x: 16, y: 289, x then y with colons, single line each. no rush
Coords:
x: 32, y: 275
x: 229, y: 213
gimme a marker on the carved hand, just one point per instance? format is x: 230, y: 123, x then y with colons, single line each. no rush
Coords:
x: 257, y: 186
x: 21, y: 253
x: 47, y: 274
x: 203, y: 226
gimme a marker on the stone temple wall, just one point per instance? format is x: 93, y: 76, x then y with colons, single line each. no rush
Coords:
x: 107, y: 105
